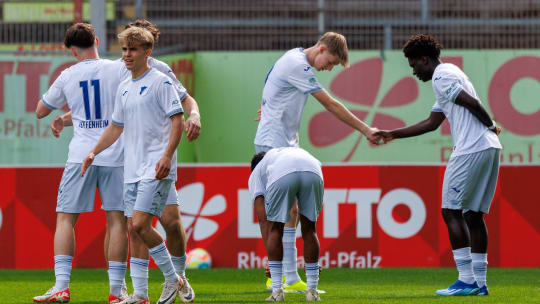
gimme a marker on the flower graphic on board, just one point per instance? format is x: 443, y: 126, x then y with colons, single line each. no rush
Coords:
x: 360, y: 85
x: 194, y: 213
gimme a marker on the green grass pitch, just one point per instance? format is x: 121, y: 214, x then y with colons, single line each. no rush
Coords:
x: 387, y: 285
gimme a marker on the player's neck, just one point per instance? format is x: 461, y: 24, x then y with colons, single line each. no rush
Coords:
x: 311, y: 52
x: 88, y: 54
x: 137, y: 72
x: 434, y: 64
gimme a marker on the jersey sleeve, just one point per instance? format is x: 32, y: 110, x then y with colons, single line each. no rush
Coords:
x: 437, y: 107
x: 303, y: 78
x: 255, y: 185
x: 165, y: 69
x: 118, y: 113
x: 446, y: 87
x: 168, y: 98
x: 55, y: 98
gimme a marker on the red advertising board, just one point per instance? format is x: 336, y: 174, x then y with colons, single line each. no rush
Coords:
x: 373, y: 216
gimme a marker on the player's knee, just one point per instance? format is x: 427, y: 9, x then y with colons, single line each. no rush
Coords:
x: 473, y: 218
x: 450, y: 215
x: 66, y: 219
x: 116, y: 224
x: 171, y: 226
x: 308, y: 228
x: 138, y: 228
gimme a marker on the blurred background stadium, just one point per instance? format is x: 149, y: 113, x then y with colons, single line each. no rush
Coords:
x: 225, y: 25
x: 381, y: 204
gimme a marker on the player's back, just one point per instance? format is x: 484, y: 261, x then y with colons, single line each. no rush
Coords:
x: 89, y: 88
x: 282, y: 161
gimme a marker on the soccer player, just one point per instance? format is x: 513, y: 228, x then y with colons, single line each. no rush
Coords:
x: 288, y: 84
x: 89, y: 89
x: 279, y: 177
x: 149, y: 113
x: 170, y: 218
x: 471, y: 174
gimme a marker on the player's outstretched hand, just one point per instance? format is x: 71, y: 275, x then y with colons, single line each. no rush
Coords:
x: 87, y: 162
x: 385, y: 135
x: 258, y: 118
x: 372, y: 137
x: 163, y: 167
x: 497, y: 129
x: 57, y: 125
x: 193, y: 126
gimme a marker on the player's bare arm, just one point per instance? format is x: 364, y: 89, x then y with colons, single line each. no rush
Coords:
x: 342, y: 113
x: 470, y: 103
x: 164, y: 164
x: 59, y: 122
x: 42, y: 110
x: 109, y: 136
x: 193, y: 123
x: 429, y: 124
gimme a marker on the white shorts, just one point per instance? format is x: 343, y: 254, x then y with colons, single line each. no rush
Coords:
x: 470, y: 181
x: 149, y: 195
x: 76, y: 193
x: 306, y: 186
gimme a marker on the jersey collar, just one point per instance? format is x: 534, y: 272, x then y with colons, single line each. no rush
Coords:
x: 142, y: 76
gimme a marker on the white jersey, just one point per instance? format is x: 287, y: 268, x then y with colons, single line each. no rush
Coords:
x: 287, y: 87
x: 144, y: 106
x: 279, y: 162
x: 89, y: 89
x: 469, y: 134
x: 163, y: 68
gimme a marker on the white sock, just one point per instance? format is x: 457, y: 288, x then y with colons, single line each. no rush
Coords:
x: 117, y: 272
x: 479, y: 263
x: 290, y: 268
x: 312, y: 275
x: 161, y: 256
x: 463, y: 259
x: 179, y: 265
x: 139, y: 276
x: 62, y: 270
x: 276, y: 273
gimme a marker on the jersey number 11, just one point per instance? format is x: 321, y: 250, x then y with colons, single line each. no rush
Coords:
x: 86, y: 98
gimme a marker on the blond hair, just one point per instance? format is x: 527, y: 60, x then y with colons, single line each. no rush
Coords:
x: 136, y: 36
x: 337, y: 46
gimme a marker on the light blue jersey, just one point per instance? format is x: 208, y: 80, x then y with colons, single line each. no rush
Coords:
x: 144, y: 106
x: 287, y: 87
x: 469, y: 134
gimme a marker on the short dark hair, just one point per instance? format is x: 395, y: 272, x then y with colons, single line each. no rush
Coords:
x: 147, y: 25
x: 422, y: 45
x: 81, y: 35
x: 256, y: 160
